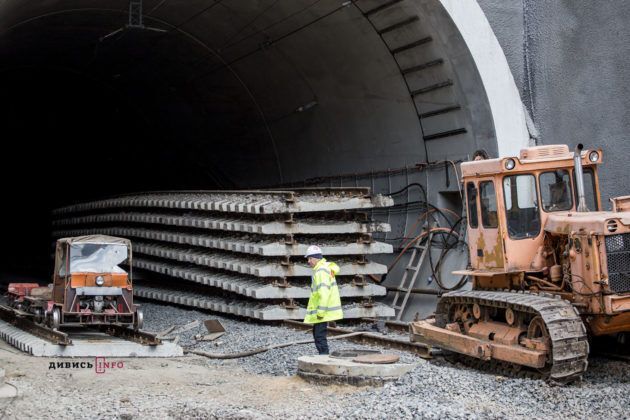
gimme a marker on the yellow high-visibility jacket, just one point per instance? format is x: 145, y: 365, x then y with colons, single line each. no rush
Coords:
x: 324, y: 304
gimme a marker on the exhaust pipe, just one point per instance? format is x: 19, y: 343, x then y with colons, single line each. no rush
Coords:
x: 579, y: 178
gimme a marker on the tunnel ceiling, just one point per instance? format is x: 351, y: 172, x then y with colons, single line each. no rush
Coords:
x: 229, y: 94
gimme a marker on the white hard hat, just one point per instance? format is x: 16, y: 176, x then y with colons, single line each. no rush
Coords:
x: 313, y: 250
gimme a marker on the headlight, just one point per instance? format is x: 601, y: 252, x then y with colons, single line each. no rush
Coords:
x: 100, y: 280
x: 510, y: 164
x: 593, y: 156
x: 611, y: 226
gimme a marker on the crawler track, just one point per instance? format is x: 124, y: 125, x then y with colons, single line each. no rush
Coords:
x: 569, y: 344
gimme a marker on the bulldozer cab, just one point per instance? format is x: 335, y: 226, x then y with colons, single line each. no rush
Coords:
x: 509, y: 200
x: 549, y: 267
x: 90, y: 261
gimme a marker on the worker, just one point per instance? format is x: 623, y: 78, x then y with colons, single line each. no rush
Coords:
x: 324, y: 305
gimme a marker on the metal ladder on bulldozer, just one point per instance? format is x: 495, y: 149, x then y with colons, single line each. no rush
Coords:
x: 408, y: 280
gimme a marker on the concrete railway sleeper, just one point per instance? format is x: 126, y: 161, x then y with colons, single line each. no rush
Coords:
x: 257, y: 288
x: 29, y: 324
x: 252, y: 265
x: 521, y: 330
x: 331, y: 224
x: 252, y: 202
x: 251, y: 309
x: 242, y: 243
x: 26, y: 322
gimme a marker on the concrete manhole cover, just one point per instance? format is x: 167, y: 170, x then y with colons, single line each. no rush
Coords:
x: 379, y: 359
x: 351, y: 353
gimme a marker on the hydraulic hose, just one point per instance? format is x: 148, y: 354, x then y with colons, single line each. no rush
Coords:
x: 259, y: 350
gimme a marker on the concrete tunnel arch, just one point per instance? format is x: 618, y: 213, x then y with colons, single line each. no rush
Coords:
x: 251, y: 94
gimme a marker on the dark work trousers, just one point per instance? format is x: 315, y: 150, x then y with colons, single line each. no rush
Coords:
x: 320, y: 330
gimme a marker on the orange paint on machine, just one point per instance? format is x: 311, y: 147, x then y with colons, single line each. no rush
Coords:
x: 549, y: 267
x: 89, y: 287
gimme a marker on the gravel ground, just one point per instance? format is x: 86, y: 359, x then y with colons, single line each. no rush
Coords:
x: 242, y: 336
x: 435, y: 389
x: 264, y: 386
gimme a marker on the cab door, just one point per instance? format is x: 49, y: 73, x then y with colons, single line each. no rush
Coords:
x: 489, y: 244
x: 61, y: 272
x: 472, y: 207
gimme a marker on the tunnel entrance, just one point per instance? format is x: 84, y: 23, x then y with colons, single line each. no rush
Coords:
x: 219, y: 94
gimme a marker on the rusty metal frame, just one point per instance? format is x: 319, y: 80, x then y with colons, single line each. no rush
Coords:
x: 426, y: 331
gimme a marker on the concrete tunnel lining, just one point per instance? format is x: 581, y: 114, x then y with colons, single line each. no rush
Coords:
x: 242, y: 95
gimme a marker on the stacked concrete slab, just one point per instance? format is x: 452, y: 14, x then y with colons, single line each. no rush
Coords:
x: 241, y: 252
x: 85, y: 343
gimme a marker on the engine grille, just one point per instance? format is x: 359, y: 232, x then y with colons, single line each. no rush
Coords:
x: 618, y: 256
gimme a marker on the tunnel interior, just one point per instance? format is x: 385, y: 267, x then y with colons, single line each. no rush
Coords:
x: 223, y: 94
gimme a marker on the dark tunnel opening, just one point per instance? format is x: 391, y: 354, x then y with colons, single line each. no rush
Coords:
x: 72, y: 139
x: 223, y: 95
x: 92, y: 118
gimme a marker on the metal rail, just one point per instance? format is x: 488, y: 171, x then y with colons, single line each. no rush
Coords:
x: 415, y: 291
x: 126, y: 333
x: 24, y: 322
x: 394, y: 325
x: 419, y: 349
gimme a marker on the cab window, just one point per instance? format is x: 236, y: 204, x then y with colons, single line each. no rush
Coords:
x: 62, y: 262
x: 555, y: 190
x: 521, y: 206
x: 590, y: 192
x: 488, y: 203
x: 471, y: 196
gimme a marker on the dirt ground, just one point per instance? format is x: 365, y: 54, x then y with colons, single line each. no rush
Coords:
x: 185, y: 387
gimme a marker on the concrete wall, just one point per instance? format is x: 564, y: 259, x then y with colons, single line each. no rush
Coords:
x: 571, y: 61
x: 508, y: 114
